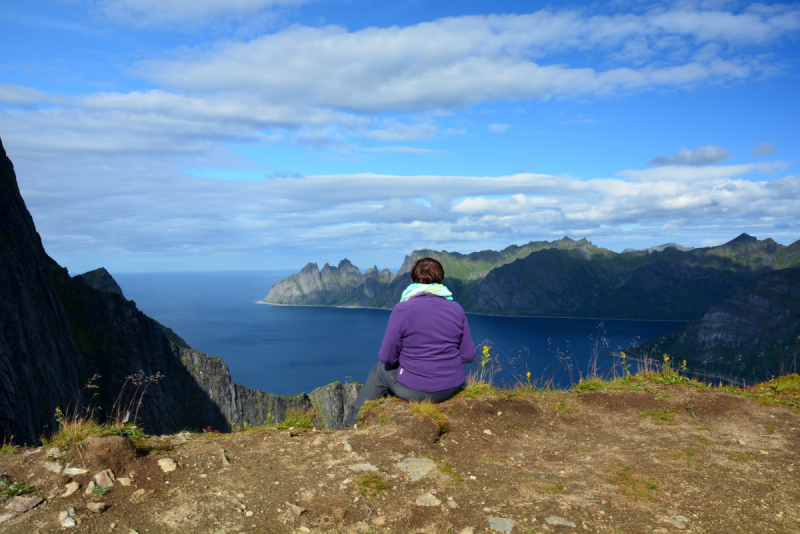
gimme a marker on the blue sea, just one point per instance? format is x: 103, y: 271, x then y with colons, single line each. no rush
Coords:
x: 288, y: 350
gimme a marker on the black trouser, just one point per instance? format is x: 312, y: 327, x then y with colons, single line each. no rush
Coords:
x: 382, y: 381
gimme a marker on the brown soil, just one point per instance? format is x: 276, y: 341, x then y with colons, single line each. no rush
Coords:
x: 626, y: 462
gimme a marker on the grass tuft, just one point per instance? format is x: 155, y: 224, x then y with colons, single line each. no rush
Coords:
x: 632, y: 485
x: 297, y: 418
x: 434, y: 411
x: 478, y: 388
x: 370, y: 484
x: 7, y: 490
x: 453, y: 475
x: 664, y: 416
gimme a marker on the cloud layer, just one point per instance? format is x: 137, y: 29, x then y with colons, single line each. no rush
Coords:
x: 702, y: 155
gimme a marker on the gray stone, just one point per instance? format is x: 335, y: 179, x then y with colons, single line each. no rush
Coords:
x: 318, y: 441
x: 53, y: 467
x: 68, y: 522
x: 362, y: 467
x: 167, y: 465
x: 347, y: 446
x: 224, y: 456
x: 74, y: 471
x: 90, y: 488
x: 31, y: 451
x: 105, y: 479
x: 249, y: 513
x: 428, y: 500
x: 502, y: 524
x: 588, y: 502
x: 125, y: 481
x: 452, y: 504
x: 53, y: 453
x: 96, y: 507
x: 553, y: 520
x: 417, y: 468
x: 23, y: 504
x: 5, y: 517
x: 72, y: 487
x: 678, y: 521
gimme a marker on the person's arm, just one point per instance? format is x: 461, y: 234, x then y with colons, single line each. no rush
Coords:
x: 392, y: 340
x: 467, y: 347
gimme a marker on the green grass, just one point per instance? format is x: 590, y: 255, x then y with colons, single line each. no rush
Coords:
x: 681, y: 456
x: 8, y: 448
x: 664, y: 416
x: 493, y: 460
x: 453, y: 475
x: 434, y: 411
x: 476, y: 389
x: 73, y: 431
x: 544, y: 486
x: 631, y: 485
x: 7, y: 490
x: 370, y: 484
x: 770, y: 429
x: 296, y: 418
x: 99, y: 491
x: 740, y: 457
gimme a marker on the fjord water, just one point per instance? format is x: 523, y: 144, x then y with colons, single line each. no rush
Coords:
x: 287, y: 350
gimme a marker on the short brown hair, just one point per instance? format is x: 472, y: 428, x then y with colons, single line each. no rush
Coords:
x: 427, y: 271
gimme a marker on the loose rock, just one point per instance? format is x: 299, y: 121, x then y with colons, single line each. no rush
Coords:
x: 105, y: 479
x: 362, y: 467
x: 72, y: 487
x: 225, y: 460
x: 74, y: 471
x: 467, y: 530
x: 53, y: 467
x: 297, y: 511
x: 167, y: 465
x: 318, y: 441
x: 23, y: 504
x: 502, y: 524
x: 124, y: 481
x: 679, y: 521
x: 428, y: 500
x: 417, y: 468
x: 5, y: 517
x: 138, y: 495
x: 452, y: 504
x: 96, y: 507
x: 347, y: 446
x: 553, y: 520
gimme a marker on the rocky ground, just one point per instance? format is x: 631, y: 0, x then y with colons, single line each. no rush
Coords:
x: 668, y: 459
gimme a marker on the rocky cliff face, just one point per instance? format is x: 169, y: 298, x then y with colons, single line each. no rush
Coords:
x: 332, y: 286
x: 755, y: 327
x: 101, y: 280
x: 56, y: 332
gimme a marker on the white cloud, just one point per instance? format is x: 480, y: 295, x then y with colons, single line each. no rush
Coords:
x: 763, y: 149
x: 147, y: 12
x: 498, y: 128
x: 460, y: 61
x: 702, y: 155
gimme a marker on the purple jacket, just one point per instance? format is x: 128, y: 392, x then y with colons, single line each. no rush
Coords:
x: 428, y: 337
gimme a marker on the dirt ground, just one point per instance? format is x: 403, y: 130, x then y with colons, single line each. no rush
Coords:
x: 603, y: 461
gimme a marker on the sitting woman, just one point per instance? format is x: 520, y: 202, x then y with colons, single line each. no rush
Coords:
x: 425, y: 345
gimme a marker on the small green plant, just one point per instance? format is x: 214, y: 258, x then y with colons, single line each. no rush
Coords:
x: 544, y: 486
x: 680, y: 456
x: 99, y: 491
x: 7, y: 490
x: 7, y: 448
x: 770, y: 429
x: 493, y: 459
x: 434, y: 411
x: 475, y: 389
x: 297, y: 418
x: 741, y: 457
x: 453, y: 475
x: 690, y: 409
x: 370, y: 484
x: 704, y: 441
x: 632, y: 485
x: 664, y: 416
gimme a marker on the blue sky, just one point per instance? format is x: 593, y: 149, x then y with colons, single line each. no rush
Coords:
x: 260, y: 134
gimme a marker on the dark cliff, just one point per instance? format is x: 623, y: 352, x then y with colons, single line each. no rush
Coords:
x: 565, y: 278
x: 101, y: 280
x: 755, y: 327
x: 56, y: 332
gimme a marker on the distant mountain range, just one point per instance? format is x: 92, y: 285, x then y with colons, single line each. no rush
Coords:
x: 563, y: 278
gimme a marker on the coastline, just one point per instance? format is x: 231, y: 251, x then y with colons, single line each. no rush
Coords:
x: 482, y: 313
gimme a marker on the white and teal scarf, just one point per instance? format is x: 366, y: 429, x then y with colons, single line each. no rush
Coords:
x: 434, y: 289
